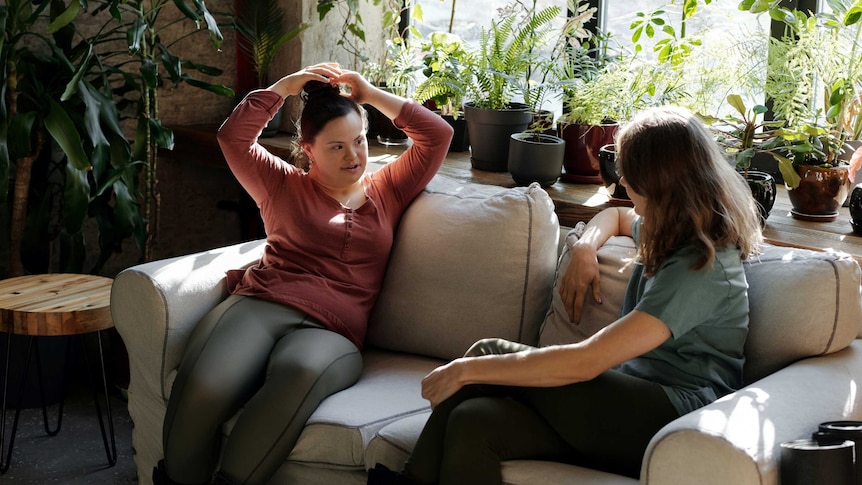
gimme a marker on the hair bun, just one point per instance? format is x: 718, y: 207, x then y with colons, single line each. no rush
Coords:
x: 317, y: 89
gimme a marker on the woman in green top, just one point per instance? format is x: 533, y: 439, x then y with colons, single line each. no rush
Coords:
x: 677, y: 345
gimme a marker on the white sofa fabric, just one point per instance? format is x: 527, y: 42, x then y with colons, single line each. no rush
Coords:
x: 472, y: 261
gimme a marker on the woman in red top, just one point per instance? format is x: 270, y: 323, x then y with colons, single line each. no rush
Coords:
x: 290, y: 332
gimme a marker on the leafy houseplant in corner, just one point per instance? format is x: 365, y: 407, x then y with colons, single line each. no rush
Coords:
x: 742, y: 136
x: 259, y: 25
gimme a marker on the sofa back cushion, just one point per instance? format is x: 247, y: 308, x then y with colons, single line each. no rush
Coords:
x: 469, y: 261
x: 802, y: 303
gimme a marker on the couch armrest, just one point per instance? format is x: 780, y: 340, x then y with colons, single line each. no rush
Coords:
x: 737, y: 438
x: 156, y: 305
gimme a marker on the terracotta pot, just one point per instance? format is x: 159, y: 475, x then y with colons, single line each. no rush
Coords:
x: 820, y: 193
x: 582, y: 150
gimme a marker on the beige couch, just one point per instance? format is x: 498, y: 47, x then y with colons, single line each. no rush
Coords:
x: 474, y: 261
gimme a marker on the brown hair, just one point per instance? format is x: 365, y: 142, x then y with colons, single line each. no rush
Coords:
x: 694, y: 195
x: 323, y: 102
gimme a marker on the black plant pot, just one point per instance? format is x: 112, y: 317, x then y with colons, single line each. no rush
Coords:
x: 535, y: 157
x: 762, y: 187
x: 490, y: 130
x: 856, y: 211
x: 610, y: 176
x: 461, y: 138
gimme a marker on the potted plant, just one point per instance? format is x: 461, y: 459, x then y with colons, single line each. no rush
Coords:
x: 742, y: 136
x: 261, y: 36
x: 535, y: 156
x: 445, y: 83
x: 397, y: 74
x: 604, y: 95
x: 503, y: 53
x: 812, y: 82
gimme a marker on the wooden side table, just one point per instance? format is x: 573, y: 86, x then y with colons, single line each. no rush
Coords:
x: 55, y: 305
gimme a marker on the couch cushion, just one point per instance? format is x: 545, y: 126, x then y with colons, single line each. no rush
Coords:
x: 802, y: 303
x: 612, y: 256
x: 469, y: 261
x: 340, y: 428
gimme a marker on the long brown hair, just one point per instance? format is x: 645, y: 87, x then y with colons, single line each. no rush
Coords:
x: 694, y: 196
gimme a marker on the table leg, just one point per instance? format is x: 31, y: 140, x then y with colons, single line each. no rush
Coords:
x: 4, y: 465
x: 110, y: 451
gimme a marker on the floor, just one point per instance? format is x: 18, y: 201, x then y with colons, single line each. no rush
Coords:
x: 76, y: 455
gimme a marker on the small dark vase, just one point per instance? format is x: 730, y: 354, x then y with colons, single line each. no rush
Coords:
x: 610, y: 176
x: 762, y: 187
x: 856, y: 209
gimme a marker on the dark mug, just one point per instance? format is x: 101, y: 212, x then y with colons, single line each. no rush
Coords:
x: 832, y: 432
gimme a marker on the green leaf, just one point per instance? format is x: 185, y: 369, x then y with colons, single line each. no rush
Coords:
x: 92, y: 115
x: 214, y: 88
x: 72, y: 86
x: 735, y: 100
x: 76, y: 198
x: 788, y: 172
x: 64, y: 18
x: 20, y: 134
x: 759, y: 109
x: 126, y: 213
x: 163, y: 136
x: 150, y: 73
x: 187, y: 10
x: 114, y: 176
x: 853, y: 15
x: 65, y: 133
x: 135, y: 35
x: 172, y: 64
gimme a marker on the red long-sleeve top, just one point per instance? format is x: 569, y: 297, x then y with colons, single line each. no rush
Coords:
x: 321, y: 257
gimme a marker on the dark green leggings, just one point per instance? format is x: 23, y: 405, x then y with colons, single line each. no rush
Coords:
x: 273, y: 359
x: 605, y: 423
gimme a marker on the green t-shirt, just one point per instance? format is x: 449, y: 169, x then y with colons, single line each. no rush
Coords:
x: 707, y: 314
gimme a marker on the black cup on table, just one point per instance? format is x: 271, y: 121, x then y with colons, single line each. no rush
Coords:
x: 837, y: 431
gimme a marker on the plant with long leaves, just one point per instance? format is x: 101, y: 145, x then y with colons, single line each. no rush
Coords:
x: 60, y: 86
x: 259, y: 24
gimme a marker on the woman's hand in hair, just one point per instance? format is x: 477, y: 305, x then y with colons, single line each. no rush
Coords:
x: 292, y: 84
x: 359, y: 89
x: 363, y: 92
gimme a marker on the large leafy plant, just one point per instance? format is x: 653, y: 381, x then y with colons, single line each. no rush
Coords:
x: 94, y: 96
x: 814, y: 78
x: 505, y: 54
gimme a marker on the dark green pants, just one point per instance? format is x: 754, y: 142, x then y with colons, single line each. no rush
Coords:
x: 605, y: 423
x: 273, y: 359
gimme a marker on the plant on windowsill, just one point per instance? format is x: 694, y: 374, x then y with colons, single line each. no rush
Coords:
x: 445, y: 83
x: 261, y: 36
x: 742, y: 136
x: 397, y: 74
x: 503, y: 54
x: 813, y: 76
